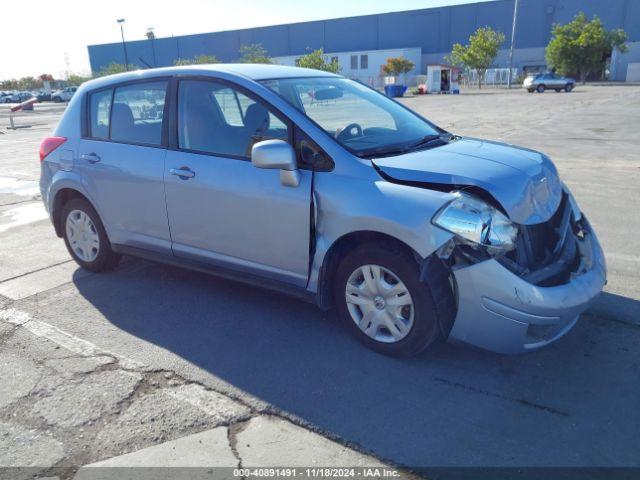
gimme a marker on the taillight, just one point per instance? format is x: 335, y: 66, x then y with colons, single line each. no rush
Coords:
x: 49, y: 144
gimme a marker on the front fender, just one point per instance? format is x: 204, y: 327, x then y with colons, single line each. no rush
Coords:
x: 358, y: 205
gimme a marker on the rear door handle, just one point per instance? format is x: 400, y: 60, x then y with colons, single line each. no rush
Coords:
x: 183, y: 172
x: 90, y: 157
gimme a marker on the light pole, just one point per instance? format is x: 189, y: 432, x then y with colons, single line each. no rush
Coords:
x: 124, y: 45
x: 513, y: 40
x: 152, y: 36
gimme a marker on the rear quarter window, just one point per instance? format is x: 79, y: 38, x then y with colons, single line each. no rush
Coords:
x: 100, y: 108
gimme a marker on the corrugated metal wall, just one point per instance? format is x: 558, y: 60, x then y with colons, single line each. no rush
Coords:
x: 435, y: 30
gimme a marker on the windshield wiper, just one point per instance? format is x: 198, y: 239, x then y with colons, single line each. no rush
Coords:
x: 380, y: 151
x: 400, y: 150
x: 423, y: 141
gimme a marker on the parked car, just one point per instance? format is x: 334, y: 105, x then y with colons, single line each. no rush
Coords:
x: 63, y: 95
x: 411, y: 232
x: 19, y: 97
x: 7, y: 97
x: 43, y: 96
x: 543, y: 81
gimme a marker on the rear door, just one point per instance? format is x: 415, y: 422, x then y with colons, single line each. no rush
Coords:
x: 221, y: 208
x: 121, y: 158
x: 551, y: 80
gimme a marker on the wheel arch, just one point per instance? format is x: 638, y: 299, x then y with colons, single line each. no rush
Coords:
x: 342, y: 247
x: 61, y: 198
x: 432, y: 269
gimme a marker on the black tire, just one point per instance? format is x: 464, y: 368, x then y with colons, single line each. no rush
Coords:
x: 530, y: 90
x: 540, y: 89
x: 57, y: 99
x: 425, y: 329
x: 106, y: 258
x: 568, y: 87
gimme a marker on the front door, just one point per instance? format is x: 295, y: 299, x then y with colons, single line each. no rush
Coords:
x: 221, y: 208
x: 121, y: 160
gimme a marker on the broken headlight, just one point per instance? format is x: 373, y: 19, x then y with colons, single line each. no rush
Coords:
x: 477, y: 223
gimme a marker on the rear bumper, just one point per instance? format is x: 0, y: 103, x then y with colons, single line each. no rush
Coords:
x: 499, y: 311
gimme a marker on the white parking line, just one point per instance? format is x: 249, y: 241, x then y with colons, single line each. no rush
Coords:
x: 23, y: 215
x: 623, y: 257
x: 60, y: 337
x: 212, y: 403
x: 19, y: 187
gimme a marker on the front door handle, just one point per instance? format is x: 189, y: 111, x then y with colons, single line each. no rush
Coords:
x: 90, y: 157
x: 183, y: 172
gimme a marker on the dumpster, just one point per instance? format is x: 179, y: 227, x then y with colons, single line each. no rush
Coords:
x: 395, y: 90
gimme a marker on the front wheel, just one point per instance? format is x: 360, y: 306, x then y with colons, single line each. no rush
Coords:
x: 85, y: 237
x: 380, y: 298
x: 540, y: 89
x: 568, y: 87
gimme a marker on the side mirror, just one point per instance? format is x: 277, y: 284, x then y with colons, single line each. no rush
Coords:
x: 277, y: 154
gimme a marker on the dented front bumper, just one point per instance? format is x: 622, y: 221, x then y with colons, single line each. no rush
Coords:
x: 499, y: 311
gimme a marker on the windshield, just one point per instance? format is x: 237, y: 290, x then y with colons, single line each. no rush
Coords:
x: 359, y: 118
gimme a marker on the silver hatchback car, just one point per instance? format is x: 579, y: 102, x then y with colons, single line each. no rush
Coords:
x: 315, y: 185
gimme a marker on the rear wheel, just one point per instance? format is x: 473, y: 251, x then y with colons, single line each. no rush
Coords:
x: 540, y: 89
x: 85, y: 237
x: 568, y: 87
x: 380, y: 298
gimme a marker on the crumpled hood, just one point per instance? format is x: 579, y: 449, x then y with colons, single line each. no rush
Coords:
x: 525, y: 182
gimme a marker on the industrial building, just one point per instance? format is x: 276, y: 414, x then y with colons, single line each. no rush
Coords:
x: 361, y: 44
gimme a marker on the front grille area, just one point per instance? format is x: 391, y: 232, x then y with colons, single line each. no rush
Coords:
x: 546, y: 254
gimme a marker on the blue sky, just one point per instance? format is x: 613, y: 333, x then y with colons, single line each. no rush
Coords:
x: 55, y: 37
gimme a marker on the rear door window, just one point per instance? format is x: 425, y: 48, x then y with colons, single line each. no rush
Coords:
x: 136, y: 113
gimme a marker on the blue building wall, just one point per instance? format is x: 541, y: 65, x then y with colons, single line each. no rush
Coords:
x: 435, y: 30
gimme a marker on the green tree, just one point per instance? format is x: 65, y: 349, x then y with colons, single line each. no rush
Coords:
x: 317, y: 60
x: 253, y: 53
x: 27, y: 83
x: 113, y: 68
x: 582, y: 46
x: 397, y: 66
x: 11, y: 84
x: 480, y: 53
x: 75, y: 79
x: 197, y: 60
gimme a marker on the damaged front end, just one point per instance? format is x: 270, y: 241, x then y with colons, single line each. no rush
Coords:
x: 519, y: 287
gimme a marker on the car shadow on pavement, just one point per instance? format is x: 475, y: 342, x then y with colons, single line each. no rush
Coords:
x: 449, y: 406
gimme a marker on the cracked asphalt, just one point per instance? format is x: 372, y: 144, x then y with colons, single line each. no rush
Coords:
x: 140, y: 363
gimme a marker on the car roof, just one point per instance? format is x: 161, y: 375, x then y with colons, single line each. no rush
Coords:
x: 247, y: 70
